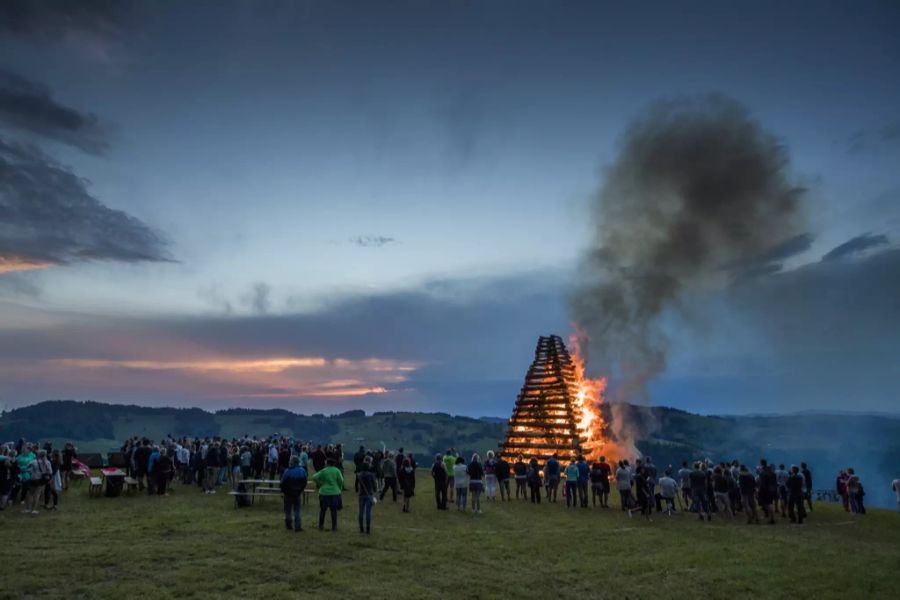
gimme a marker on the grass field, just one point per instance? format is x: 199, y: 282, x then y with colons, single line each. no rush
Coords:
x: 197, y: 546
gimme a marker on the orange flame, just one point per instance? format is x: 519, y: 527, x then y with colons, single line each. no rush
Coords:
x: 588, y: 397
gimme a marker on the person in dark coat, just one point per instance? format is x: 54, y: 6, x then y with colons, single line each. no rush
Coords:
x: 439, y: 474
x: 366, y: 488
x: 407, y: 479
x: 795, y: 483
x: 293, y: 482
x: 807, y: 483
x: 162, y: 472
x: 768, y: 490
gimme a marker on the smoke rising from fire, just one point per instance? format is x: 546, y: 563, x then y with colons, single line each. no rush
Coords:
x: 698, y: 194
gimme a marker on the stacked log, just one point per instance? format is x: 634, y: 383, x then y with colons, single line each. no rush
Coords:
x: 543, y: 420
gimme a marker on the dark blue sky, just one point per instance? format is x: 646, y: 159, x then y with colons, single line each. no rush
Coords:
x: 401, y: 190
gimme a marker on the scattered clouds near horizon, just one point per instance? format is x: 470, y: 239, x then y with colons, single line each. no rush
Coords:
x: 811, y: 338
x: 372, y: 241
x: 30, y: 107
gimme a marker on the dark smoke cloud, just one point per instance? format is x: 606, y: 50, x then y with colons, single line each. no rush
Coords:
x: 697, y: 188
x: 855, y: 245
x: 30, y: 107
x: 47, y: 216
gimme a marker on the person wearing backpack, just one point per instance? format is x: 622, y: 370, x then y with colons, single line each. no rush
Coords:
x: 293, y: 482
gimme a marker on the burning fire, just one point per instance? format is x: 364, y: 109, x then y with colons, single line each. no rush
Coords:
x: 588, y: 397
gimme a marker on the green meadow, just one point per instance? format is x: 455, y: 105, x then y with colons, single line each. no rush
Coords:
x: 190, y: 545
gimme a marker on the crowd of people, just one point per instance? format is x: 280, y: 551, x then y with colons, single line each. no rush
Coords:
x: 36, y: 476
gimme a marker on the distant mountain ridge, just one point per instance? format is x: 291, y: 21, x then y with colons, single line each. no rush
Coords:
x: 827, y: 441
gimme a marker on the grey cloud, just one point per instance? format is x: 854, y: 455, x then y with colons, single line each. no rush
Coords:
x: 871, y: 139
x: 372, y: 241
x: 30, y: 107
x: 258, y: 298
x: 772, y: 260
x: 51, y: 20
x: 48, y: 216
x: 855, y: 245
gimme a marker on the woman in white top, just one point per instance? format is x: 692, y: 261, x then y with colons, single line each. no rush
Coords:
x: 461, y: 482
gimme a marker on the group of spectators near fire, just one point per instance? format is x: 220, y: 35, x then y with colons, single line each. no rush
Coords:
x: 37, y: 476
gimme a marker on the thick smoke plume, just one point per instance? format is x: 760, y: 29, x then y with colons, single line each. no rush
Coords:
x: 698, y: 195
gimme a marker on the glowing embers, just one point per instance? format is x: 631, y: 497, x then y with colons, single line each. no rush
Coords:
x: 557, y: 410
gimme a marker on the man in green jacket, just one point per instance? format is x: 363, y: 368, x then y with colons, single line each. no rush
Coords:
x: 330, y: 481
x: 449, y: 463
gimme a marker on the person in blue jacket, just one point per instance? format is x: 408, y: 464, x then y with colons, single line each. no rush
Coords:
x: 293, y: 482
x: 584, y: 474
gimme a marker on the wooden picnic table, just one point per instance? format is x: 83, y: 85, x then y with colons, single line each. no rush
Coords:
x: 261, y: 488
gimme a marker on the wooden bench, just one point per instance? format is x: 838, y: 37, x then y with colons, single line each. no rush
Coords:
x: 131, y: 484
x: 96, y: 486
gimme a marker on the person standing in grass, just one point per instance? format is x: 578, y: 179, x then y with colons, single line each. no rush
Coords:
x: 69, y: 453
x: 330, y: 482
x: 162, y: 472
x: 40, y: 473
x: 684, y: 479
x: 584, y: 476
x: 747, y: 486
x: 439, y: 475
x: 534, y: 480
x: 840, y: 486
x: 796, y: 511
x: 597, y: 478
x: 389, y: 468
x: 502, y: 471
x: 461, y: 481
x: 572, y: 484
x: 698, y: 480
x: 367, y: 488
x: 50, y: 490
x: 551, y: 476
x: 293, y: 482
x: 520, y: 471
x: 475, y: 471
x: 642, y: 491
x: 623, y: 484
x: 720, y: 491
x: 449, y: 463
x: 407, y: 478
x: 490, y: 477
x: 668, y: 489
x: 7, y: 475
x: 767, y: 490
x: 895, y: 486
x: 807, y: 484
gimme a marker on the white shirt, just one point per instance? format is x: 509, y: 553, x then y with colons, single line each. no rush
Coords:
x: 667, y: 487
x: 460, y: 476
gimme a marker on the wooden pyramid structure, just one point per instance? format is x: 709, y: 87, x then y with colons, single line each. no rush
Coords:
x: 544, y: 419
